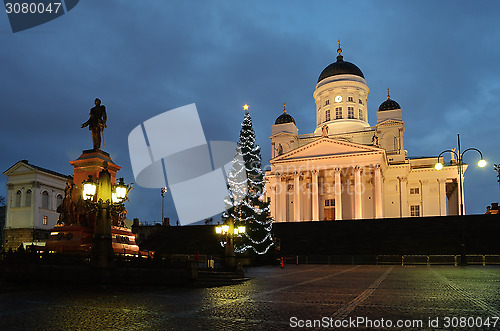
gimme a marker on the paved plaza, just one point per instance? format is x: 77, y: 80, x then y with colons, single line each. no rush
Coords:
x: 294, y: 297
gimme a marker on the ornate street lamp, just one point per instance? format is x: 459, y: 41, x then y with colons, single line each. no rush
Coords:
x: 120, y: 191
x: 230, y: 231
x: 108, y: 200
x: 89, y: 189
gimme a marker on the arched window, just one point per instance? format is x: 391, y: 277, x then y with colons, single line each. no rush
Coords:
x: 338, y: 112
x: 396, y: 143
x: 350, y: 112
x: 59, y: 200
x: 45, y: 199
x: 27, y: 199
x: 18, y: 198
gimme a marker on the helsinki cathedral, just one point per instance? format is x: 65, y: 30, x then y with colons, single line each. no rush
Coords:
x: 349, y: 169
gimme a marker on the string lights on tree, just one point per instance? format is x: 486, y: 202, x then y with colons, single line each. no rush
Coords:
x: 247, y: 189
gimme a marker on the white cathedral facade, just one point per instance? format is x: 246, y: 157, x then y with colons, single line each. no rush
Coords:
x: 348, y: 169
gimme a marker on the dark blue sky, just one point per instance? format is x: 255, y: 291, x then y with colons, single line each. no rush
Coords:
x: 439, y: 58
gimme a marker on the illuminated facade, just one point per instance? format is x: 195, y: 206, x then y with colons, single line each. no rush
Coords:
x: 33, y: 195
x: 348, y: 169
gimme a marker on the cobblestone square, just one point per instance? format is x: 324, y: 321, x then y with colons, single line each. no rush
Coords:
x: 273, y: 299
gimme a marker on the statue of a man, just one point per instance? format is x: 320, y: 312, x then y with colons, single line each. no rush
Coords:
x: 280, y: 149
x: 67, y: 208
x: 452, y: 154
x: 96, y: 123
x: 324, y: 131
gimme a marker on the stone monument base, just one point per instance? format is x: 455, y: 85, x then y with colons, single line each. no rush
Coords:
x: 78, y: 240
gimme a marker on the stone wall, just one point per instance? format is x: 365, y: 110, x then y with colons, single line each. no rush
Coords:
x: 422, y: 235
x: 13, y: 238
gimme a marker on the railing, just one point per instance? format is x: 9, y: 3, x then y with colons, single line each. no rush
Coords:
x: 438, y: 259
x: 391, y: 259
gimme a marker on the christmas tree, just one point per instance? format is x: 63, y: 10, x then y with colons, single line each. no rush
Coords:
x: 247, y: 188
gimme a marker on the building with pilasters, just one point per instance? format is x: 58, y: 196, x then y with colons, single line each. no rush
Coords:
x: 33, y: 195
x: 348, y: 169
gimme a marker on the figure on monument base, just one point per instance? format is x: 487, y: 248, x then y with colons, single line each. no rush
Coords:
x: 72, y: 210
x: 67, y: 208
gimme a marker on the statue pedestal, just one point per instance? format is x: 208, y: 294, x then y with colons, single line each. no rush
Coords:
x: 83, y: 231
x: 91, y: 163
x: 79, y: 240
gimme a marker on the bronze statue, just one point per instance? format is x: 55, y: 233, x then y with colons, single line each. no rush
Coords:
x: 67, y: 209
x: 97, y: 123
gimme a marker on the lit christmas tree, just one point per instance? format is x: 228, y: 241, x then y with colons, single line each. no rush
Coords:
x: 247, y: 187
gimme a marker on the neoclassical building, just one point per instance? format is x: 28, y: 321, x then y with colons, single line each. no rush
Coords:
x: 33, y: 195
x: 349, y: 169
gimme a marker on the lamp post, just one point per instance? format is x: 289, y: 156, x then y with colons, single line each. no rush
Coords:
x: 497, y: 169
x: 460, y: 162
x: 163, y: 191
x: 481, y: 163
x: 103, y: 198
x: 230, y: 231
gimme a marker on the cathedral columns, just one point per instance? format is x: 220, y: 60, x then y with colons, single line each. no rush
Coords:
x: 296, y: 197
x: 358, y: 190
x: 295, y: 205
x: 315, y: 198
x: 338, y: 195
x: 283, y: 185
x: 378, y: 192
x: 274, y: 197
x: 442, y: 197
x: 403, y: 196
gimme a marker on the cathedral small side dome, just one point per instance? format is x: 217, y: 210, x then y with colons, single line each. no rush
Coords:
x: 389, y: 104
x: 284, y: 118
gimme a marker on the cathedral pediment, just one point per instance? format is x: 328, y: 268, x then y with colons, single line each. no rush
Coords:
x: 282, y: 134
x: 328, y: 147
x: 390, y: 122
